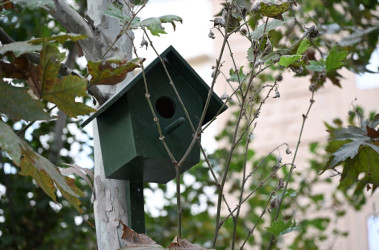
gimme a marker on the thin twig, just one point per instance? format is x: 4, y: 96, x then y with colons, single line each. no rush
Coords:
x: 251, y: 231
x: 305, y: 116
x: 233, y: 146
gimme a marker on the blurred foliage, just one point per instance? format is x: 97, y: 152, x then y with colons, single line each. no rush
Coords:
x: 29, y: 219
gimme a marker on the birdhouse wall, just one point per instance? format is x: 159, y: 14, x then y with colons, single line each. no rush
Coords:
x: 117, y: 143
x: 157, y: 166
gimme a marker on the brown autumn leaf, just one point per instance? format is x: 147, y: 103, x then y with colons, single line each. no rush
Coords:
x: 179, y: 244
x: 6, y: 5
x: 46, y: 174
x: 372, y: 133
x: 112, y: 71
x: 9, y: 70
x: 133, y: 239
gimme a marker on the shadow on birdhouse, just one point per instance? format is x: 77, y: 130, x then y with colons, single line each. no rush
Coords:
x: 129, y: 138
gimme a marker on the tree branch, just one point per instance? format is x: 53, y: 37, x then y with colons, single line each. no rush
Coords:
x: 64, y: 70
x: 75, y: 23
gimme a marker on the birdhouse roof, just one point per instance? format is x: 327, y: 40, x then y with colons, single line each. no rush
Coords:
x: 174, y: 62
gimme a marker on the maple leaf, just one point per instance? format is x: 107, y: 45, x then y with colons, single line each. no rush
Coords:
x: 271, y: 9
x: 112, y: 71
x: 10, y: 99
x: 356, y: 149
x: 46, y: 175
x: 134, y: 239
x: 63, y: 93
x: 60, y: 90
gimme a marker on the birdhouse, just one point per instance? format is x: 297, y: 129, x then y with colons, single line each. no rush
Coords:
x: 129, y: 138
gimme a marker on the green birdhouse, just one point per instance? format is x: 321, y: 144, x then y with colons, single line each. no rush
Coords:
x: 129, y: 137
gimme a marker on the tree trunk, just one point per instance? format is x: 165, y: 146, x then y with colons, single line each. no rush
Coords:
x: 110, y: 203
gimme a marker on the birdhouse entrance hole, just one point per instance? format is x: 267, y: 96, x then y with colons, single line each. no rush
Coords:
x: 165, y: 107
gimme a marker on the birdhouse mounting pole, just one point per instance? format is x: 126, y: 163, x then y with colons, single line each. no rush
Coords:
x: 135, y: 205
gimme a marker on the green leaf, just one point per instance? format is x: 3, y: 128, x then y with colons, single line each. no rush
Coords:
x: 271, y: 57
x: 335, y: 59
x: 10, y: 143
x: 72, y: 198
x: 366, y: 162
x: 154, y: 25
x: 19, y: 48
x: 280, y: 227
x: 287, y: 60
x: 40, y: 176
x: 258, y: 32
x: 112, y: 71
x: 318, y: 66
x: 42, y: 170
x: 171, y: 19
x: 34, y: 4
x: 63, y: 93
x: 115, y: 12
x: 304, y: 45
x: 234, y: 77
x: 10, y: 100
x: 250, y: 55
x: 58, y: 38
x: 271, y: 9
x: 357, y: 149
x: 50, y: 63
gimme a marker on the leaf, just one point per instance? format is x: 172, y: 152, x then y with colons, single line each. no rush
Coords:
x: 83, y: 173
x: 50, y: 63
x: 318, y: 66
x: 178, y: 244
x: 356, y: 149
x: 58, y: 38
x: 10, y: 99
x: 63, y: 94
x: 61, y: 91
x: 34, y: 4
x: 356, y: 37
x: 115, y: 12
x: 19, y: 48
x: 171, y: 19
x: 250, y: 55
x: 287, y: 60
x: 71, y: 198
x: 40, y: 176
x: 367, y: 162
x: 335, y: 59
x: 154, y: 25
x: 46, y: 175
x: 9, y: 142
x: 258, y: 32
x: 280, y: 227
x: 234, y: 77
x: 304, y: 45
x: 133, y: 239
x: 271, y: 57
x: 271, y: 9
x: 111, y: 72
x: 18, y: 68
x: 348, y: 150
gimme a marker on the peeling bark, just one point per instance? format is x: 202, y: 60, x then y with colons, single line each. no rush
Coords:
x: 110, y: 202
